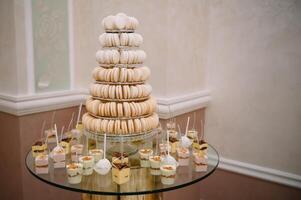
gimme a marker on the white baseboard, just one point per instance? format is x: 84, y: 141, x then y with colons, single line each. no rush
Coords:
x: 29, y: 104
x: 264, y: 173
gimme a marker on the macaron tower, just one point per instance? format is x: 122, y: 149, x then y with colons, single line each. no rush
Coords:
x: 120, y: 101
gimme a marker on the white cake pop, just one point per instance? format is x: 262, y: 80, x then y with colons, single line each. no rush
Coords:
x: 185, y: 141
x: 168, y: 159
x: 103, y: 166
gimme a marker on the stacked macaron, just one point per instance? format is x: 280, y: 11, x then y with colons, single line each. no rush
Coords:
x: 120, y: 101
x: 120, y: 126
x: 120, y: 91
x: 117, y: 74
x: 120, y: 109
x: 113, y: 56
x: 122, y: 39
x: 120, y: 22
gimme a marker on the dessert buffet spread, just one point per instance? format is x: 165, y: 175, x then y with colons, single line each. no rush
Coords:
x: 120, y: 105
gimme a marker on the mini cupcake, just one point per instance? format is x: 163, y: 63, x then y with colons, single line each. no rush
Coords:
x: 97, y: 154
x: 168, y: 174
x: 74, y: 172
x: 155, y: 164
x: 144, y: 157
x: 183, y: 156
x: 88, y: 164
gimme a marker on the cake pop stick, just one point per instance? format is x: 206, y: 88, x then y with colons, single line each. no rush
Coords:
x: 79, y: 113
x: 187, y: 124
x: 56, y: 137
x: 42, y: 130
x: 203, y: 130
x: 194, y: 120
x: 179, y: 129
x: 104, y: 146
x: 62, y: 131
x: 69, y: 126
x: 52, y: 119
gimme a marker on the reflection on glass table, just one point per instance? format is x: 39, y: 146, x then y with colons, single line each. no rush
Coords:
x: 141, y: 181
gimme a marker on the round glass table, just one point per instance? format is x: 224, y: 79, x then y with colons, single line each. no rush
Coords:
x: 141, y: 181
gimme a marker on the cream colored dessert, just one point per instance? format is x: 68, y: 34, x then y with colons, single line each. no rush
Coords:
x: 74, y: 172
x: 155, y: 164
x: 39, y: 148
x: 201, y: 146
x: 65, y: 143
x: 120, y: 173
x: 192, y: 134
x: 50, y: 134
x: 163, y: 148
x: 174, y: 143
x: 88, y: 164
x: 59, y: 157
x: 97, y: 154
x: 144, y: 157
x: 200, y: 161
x: 168, y: 174
x: 172, y: 133
x: 117, y: 158
x: 76, y: 152
x: 41, y: 164
x: 183, y: 156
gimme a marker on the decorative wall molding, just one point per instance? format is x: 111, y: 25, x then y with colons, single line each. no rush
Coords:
x: 28, y: 104
x: 264, y: 173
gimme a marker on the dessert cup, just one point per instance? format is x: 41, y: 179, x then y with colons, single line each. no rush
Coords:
x: 174, y: 143
x: 41, y: 163
x: 192, y: 134
x: 163, y: 148
x: 59, y: 157
x: 76, y: 151
x: 50, y: 134
x: 74, y: 172
x: 183, y: 156
x: 88, y: 164
x: 144, y: 157
x: 155, y: 164
x: 39, y: 148
x: 200, y: 161
x: 97, y: 154
x: 168, y: 174
x: 120, y: 173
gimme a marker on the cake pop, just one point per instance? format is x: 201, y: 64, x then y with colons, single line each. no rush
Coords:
x: 103, y: 166
x: 168, y: 159
x: 185, y: 141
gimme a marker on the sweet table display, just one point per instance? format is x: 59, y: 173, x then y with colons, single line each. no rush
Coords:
x: 131, y: 156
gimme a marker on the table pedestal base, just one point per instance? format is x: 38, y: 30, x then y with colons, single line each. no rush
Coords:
x: 157, y: 196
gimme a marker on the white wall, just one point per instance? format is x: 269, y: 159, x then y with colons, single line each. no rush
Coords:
x: 254, y: 74
x: 174, y: 44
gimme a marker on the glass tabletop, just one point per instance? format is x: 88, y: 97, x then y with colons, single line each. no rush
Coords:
x: 141, y: 181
